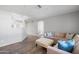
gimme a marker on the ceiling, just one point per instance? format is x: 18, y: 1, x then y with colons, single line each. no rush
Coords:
x: 34, y: 12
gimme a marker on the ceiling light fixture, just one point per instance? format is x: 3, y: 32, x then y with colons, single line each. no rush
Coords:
x: 39, y: 6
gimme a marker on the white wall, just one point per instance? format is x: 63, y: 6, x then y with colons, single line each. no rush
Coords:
x: 63, y: 23
x: 9, y: 34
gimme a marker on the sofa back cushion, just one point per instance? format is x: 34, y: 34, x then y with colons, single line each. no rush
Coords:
x: 76, y: 48
x: 76, y: 38
x: 60, y: 35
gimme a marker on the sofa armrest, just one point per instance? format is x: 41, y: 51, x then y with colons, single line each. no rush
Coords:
x: 53, y: 50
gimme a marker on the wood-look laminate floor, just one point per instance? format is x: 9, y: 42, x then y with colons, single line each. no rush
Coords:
x: 27, y: 46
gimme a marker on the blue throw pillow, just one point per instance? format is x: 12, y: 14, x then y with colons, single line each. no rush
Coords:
x: 66, y: 45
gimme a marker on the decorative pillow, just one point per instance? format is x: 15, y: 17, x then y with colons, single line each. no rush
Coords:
x: 70, y: 35
x: 49, y: 34
x: 66, y: 45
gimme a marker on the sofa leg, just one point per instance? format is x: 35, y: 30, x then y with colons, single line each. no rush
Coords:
x: 35, y: 44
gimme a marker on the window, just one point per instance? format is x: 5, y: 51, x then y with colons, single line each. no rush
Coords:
x: 41, y: 27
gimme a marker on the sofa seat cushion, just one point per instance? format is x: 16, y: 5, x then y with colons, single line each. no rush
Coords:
x: 53, y: 50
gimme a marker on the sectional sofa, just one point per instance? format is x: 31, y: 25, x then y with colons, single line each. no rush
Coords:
x: 64, y: 36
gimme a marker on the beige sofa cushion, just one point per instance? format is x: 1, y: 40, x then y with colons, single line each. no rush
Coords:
x: 76, y: 48
x: 53, y: 50
x: 76, y: 38
x: 60, y: 35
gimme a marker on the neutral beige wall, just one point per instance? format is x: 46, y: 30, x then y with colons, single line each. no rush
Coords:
x: 63, y: 23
